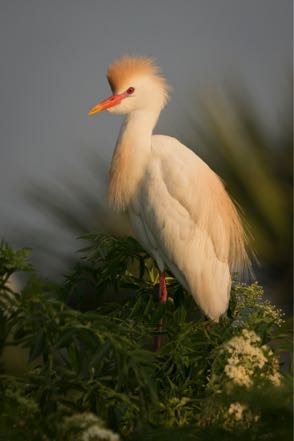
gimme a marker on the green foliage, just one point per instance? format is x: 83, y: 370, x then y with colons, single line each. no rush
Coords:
x: 11, y: 261
x: 94, y: 366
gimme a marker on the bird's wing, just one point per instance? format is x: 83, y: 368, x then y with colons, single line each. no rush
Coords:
x: 185, y: 208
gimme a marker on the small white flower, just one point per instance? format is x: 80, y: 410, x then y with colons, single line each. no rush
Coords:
x: 236, y: 410
x: 90, y: 427
x: 272, y: 313
x: 238, y: 374
x: 97, y: 433
x: 275, y: 378
x: 251, y: 336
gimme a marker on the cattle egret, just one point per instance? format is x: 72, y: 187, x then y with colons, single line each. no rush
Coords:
x: 177, y: 206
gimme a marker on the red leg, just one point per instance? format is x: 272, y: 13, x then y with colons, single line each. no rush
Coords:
x: 162, y: 299
x: 162, y: 290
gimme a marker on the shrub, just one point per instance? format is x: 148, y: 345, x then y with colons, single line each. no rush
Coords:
x: 92, y: 373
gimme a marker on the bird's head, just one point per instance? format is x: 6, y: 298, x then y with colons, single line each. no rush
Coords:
x: 136, y: 84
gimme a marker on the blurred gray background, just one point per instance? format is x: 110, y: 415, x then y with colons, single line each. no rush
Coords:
x: 54, y: 55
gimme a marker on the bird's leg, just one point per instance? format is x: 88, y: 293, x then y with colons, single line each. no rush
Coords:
x: 162, y: 299
x: 162, y: 289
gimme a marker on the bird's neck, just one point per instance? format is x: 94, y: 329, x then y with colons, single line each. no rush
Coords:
x: 130, y: 157
x: 136, y: 131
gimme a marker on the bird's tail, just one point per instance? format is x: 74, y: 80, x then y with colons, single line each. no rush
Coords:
x: 239, y: 260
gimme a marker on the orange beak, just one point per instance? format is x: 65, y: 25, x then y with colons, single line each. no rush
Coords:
x: 106, y: 104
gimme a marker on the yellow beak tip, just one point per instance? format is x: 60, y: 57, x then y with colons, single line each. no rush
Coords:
x: 95, y: 110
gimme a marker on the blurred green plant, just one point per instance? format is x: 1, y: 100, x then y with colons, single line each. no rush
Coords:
x: 96, y: 377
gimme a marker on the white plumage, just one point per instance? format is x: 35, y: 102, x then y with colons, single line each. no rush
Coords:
x: 177, y: 205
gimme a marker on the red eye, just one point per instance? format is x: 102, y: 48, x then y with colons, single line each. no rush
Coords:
x: 130, y: 90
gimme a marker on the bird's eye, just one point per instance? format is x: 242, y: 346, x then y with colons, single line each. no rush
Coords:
x: 130, y: 90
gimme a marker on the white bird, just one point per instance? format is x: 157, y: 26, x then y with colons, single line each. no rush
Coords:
x: 177, y: 206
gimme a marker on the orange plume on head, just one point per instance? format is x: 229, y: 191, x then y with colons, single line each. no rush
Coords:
x: 121, y: 72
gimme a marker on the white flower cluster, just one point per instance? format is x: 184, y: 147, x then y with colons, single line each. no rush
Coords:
x: 236, y: 410
x: 239, y: 414
x: 97, y: 433
x: 272, y: 313
x: 91, y: 428
x: 247, y: 358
